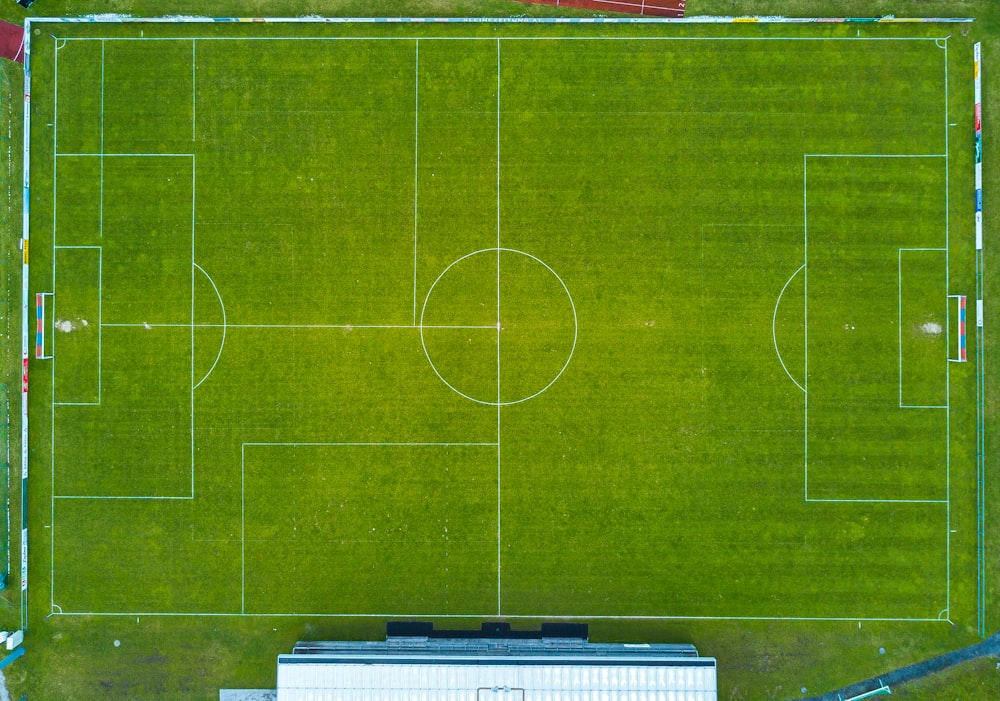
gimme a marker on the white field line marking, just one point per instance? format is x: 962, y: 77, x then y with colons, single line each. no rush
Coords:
x: 239, y: 614
x: 488, y: 327
x: 194, y: 100
x: 511, y: 38
x: 416, y: 164
x: 947, y: 318
x: 875, y: 155
x: 499, y: 396
x: 878, y: 501
x: 947, y: 391
x: 193, y: 264
x: 899, y: 317
x: 52, y: 422
x: 125, y: 155
x: 738, y: 618
x: 222, y: 344
x: 101, y: 207
x: 389, y: 444
x: 774, y: 323
x: 243, y: 531
x: 591, y: 38
x: 431, y: 614
x: 805, y: 324
x: 100, y: 328
x: 123, y: 496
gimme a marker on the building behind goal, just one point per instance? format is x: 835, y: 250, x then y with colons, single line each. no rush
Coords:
x: 557, y: 663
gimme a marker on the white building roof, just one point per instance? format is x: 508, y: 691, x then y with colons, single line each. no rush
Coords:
x: 428, y: 677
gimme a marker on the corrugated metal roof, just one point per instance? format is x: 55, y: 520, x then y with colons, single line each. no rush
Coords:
x: 315, y: 678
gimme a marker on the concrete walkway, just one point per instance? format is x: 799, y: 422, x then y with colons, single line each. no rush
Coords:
x: 990, y: 646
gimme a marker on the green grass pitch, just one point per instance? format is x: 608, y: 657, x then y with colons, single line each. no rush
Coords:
x: 519, y: 321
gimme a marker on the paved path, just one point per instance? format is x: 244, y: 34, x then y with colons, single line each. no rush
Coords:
x: 990, y: 646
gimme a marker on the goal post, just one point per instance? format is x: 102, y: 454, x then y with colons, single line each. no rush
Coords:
x: 40, y: 351
x: 958, y: 354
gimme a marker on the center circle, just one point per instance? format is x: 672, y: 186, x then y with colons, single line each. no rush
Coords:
x: 498, y: 326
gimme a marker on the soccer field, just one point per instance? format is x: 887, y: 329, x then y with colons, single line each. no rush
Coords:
x: 516, y: 321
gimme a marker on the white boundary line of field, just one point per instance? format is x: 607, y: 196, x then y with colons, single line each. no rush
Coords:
x: 499, y: 396
x: 899, y: 323
x: 488, y: 614
x: 947, y: 287
x: 102, y: 155
x: 52, y: 368
x: 508, y: 38
x: 110, y: 18
x: 416, y: 164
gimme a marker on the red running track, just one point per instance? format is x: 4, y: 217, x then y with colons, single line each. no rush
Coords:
x: 12, y: 41
x: 652, y: 8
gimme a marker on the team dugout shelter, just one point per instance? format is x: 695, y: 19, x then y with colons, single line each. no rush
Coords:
x: 557, y: 663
